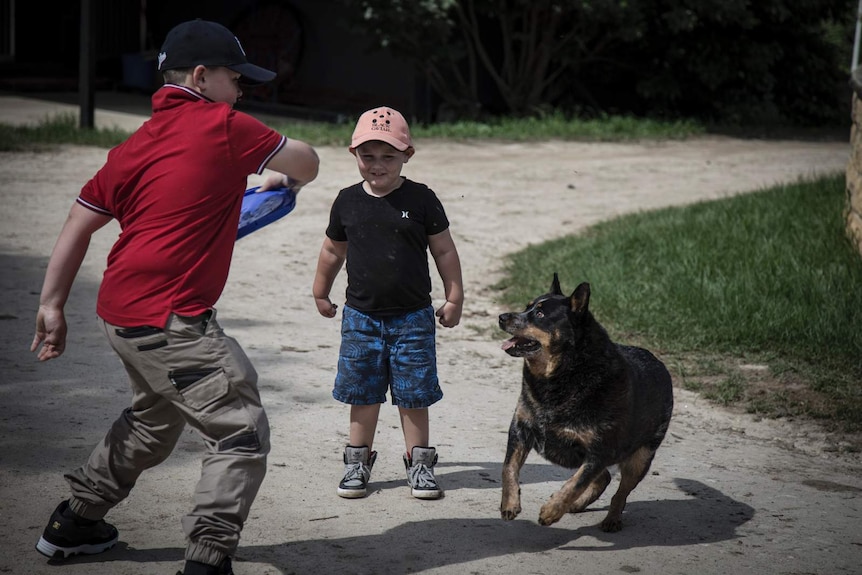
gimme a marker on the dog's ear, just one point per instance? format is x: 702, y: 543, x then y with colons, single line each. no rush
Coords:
x: 555, y: 285
x: 581, y: 298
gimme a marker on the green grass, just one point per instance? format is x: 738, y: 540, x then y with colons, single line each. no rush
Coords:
x: 63, y: 129
x: 557, y: 126
x: 766, y: 277
x: 551, y: 126
x: 55, y: 130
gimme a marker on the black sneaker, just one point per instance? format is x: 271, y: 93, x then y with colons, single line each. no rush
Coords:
x: 68, y: 534
x: 197, y: 568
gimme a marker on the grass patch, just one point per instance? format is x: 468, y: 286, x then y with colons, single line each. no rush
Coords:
x: 56, y: 130
x: 754, y: 300
x: 557, y: 126
x: 728, y: 390
x: 315, y: 133
x: 63, y: 129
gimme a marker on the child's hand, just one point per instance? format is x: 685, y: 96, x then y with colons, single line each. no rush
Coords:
x: 325, y: 306
x: 50, y: 332
x: 449, y: 314
x: 279, y: 180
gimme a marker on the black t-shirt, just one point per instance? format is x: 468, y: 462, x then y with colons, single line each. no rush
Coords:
x: 387, y: 243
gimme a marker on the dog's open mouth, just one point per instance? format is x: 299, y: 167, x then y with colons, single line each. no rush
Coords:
x: 520, y: 346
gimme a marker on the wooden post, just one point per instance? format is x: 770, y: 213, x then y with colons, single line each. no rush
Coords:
x: 86, y: 67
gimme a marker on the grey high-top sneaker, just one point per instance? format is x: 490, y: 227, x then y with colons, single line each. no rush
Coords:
x: 357, y: 471
x: 420, y: 473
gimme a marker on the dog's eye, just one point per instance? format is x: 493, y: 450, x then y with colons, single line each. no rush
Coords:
x: 539, y: 314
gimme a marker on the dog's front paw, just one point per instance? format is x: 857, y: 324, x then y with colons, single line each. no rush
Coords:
x: 551, y: 513
x: 611, y: 524
x: 509, y: 513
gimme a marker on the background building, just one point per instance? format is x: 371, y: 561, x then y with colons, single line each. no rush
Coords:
x: 325, y: 69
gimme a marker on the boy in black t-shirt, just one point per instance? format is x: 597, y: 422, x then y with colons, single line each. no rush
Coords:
x: 383, y: 226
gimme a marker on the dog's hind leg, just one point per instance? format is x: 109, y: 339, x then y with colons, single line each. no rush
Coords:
x: 632, y: 470
x: 592, y: 492
x: 578, y: 487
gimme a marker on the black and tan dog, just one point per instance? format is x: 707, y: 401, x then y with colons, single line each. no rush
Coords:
x: 586, y: 404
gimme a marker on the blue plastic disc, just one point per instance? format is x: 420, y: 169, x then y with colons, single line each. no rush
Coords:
x: 262, y: 208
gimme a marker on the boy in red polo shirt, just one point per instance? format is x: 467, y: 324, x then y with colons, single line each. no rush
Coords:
x: 175, y: 187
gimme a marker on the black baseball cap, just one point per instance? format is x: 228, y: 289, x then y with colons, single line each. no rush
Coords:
x: 200, y: 42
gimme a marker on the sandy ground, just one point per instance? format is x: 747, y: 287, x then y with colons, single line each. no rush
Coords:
x: 726, y: 494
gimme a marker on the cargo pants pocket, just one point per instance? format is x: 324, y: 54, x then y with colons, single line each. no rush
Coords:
x: 219, y: 410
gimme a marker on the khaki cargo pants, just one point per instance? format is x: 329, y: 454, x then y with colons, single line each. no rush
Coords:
x: 189, y: 373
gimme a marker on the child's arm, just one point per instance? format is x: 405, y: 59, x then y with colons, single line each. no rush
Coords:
x: 69, y: 252
x: 297, y: 164
x: 449, y: 265
x: 329, y: 262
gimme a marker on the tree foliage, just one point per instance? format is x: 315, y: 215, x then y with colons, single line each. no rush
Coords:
x: 721, y: 60
x: 736, y: 60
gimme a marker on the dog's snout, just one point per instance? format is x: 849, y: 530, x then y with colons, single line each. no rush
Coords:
x: 504, y: 319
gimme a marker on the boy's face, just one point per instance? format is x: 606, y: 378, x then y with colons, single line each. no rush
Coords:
x: 380, y: 165
x: 218, y: 83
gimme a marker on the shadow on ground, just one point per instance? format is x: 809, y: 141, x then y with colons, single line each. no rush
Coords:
x: 705, y: 515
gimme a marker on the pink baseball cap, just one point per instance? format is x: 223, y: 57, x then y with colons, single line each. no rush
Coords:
x: 383, y: 124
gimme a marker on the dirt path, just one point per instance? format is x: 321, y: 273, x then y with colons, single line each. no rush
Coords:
x: 726, y: 494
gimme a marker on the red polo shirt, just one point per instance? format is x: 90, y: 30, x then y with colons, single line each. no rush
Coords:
x: 175, y: 187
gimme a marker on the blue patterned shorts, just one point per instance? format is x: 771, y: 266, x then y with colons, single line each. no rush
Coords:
x: 380, y: 353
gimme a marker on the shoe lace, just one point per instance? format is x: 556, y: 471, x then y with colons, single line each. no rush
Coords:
x: 422, y: 476
x: 356, y: 470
